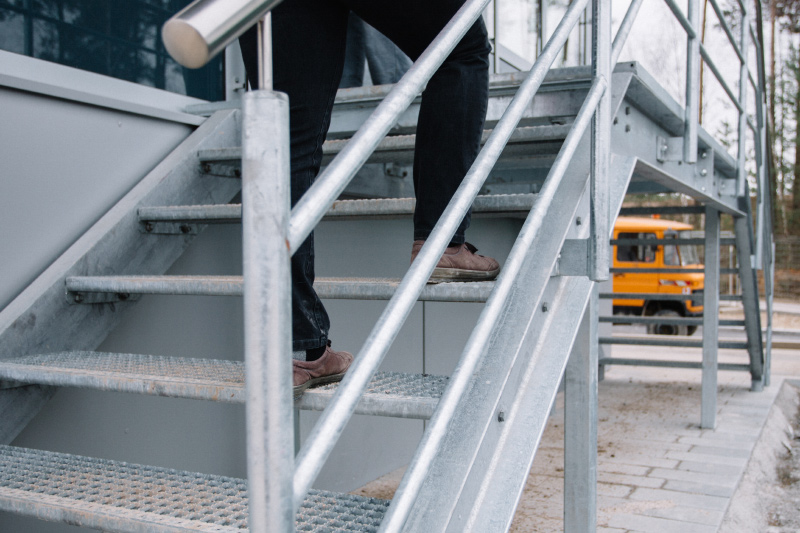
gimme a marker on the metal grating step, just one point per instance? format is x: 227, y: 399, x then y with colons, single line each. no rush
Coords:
x: 116, y: 496
x: 525, y: 143
x: 392, y: 394
x: 122, y: 287
x: 489, y: 205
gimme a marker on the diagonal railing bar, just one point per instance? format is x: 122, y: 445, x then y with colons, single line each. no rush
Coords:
x: 327, y: 430
x: 720, y: 78
x: 624, y: 30
x: 681, y: 17
x: 727, y: 29
x: 476, y: 345
x: 332, y: 182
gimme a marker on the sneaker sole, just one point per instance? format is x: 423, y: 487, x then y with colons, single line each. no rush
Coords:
x: 314, y: 382
x: 459, y: 274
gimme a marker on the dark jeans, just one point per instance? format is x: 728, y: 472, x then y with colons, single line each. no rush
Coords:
x: 309, y: 46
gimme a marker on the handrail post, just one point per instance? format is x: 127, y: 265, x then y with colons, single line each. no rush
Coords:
x: 267, y: 301
x: 741, y: 177
x: 692, y: 86
x: 598, y: 248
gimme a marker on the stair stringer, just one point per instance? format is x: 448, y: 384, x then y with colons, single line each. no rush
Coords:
x: 743, y: 226
x: 450, y: 488
x: 41, y: 319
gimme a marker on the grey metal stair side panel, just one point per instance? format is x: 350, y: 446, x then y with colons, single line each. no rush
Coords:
x: 41, y: 320
x: 454, y: 482
x: 125, y: 497
x: 552, y: 336
x: 476, y: 413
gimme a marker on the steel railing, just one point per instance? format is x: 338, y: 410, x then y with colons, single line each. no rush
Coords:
x: 271, y: 233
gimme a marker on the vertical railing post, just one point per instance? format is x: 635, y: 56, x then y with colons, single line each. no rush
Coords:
x: 708, y: 404
x: 692, y: 86
x: 599, y: 208
x: 741, y: 178
x: 267, y: 302
x: 580, y: 425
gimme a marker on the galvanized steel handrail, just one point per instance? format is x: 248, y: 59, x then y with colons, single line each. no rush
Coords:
x: 327, y: 430
x: 720, y: 78
x: 204, y: 28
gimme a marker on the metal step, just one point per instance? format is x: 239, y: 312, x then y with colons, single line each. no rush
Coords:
x: 391, y: 394
x: 525, y: 143
x: 112, y: 288
x: 493, y: 205
x: 117, y: 496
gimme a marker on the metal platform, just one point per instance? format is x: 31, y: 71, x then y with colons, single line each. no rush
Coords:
x: 116, y: 496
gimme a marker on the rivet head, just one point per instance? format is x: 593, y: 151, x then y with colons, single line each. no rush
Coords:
x: 704, y: 172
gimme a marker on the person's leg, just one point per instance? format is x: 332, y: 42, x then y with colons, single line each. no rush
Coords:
x: 453, y: 105
x: 308, y: 54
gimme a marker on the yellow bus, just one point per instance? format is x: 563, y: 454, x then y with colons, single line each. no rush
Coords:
x: 656, y: 256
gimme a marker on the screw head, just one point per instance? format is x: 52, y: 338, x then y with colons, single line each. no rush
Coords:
x: 78, y: 298
x: 237, y: 173
x: 501, y: 416
x: 544, y: 307
x: 185, y: 228
x: 578, y: 221
x: 207, y: 167
x: 148, y: 227
x: 704, y: 172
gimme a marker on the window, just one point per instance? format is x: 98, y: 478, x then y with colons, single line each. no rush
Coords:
x: 636, y: 253
x: 118, y: 38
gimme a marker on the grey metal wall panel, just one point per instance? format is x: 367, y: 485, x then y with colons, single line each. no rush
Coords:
x: 63, y: 164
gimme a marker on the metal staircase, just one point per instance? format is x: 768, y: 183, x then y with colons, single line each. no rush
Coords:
x: 486, y: 419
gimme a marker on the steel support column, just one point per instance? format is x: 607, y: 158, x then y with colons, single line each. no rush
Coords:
x: 692, y: 85
x: 708, y: 408
x: 580, y: 425
x: 742, y: 190
x: 267, y: 311
x: 598, y: 251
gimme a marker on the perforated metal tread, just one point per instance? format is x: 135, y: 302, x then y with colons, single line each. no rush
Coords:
x: 334, y: 288
x: 489, y: 205
x: 388, y: 394
x: 524, y: 143
x: 116, y: 496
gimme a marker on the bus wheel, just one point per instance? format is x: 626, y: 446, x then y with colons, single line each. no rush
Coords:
x: 669, y: 329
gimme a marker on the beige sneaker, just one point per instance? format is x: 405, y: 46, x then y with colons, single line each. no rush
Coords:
x: 461, y: 263
x: 329, y: 368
